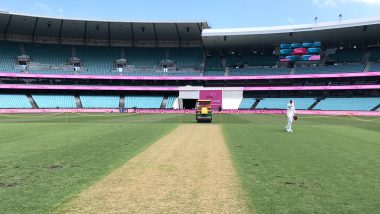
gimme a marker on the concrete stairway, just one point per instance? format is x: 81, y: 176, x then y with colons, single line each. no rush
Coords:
x: 78, y: 102
x: 32, y: 101
x: 122, y: 102
x: 164, y: 102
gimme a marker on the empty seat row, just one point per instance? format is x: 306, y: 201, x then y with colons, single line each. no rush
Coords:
x: 247, y: 103
x: 54, y: 101
x: 100, y: 101
x: 374, y: 67
x: 346, y: 56
x: 346, y: 68
x: 259, y: 71
x: 347, y: 104
x: 132, y: 101
x: 87, y: 101
x: 254, y: 59
x: 214, y: 73
x: 170, y: 102
x: 281, y: 103
x: 354, y: 104
x: 14, y: 101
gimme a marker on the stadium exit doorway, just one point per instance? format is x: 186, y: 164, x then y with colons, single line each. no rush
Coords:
x: 187, y: 103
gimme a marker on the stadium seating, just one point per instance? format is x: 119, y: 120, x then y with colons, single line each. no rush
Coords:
x: 142, y: 73
x: 51, y: 72
x: 54, y: 101
x: 170, y: 102
x: 214, y: 73
x: 307, y: 51
x: 348, y: 56
x: 293, y: 58
x: 259, y: 71
x: 233, y: 60
x: 159, y: 73
x: 56, y: 55
x: 375, y: 55
x: 145, y: 57
x: 98, y: 59
x: 351, y: 104
x: 251, y: 60
x: 374, y: 67
x: 286, y: 52
x: 132, y: 101
x: 8, y: 55
x: 144, y: 61
x: 14, y: 101
x: 281, y: 103
x: 186, y: 57
x: 260, y: 60
x: 347, y: 68
x: 181, y: 73
x: 246, y: 103
x: 214, y: 61
x: 100, y: 101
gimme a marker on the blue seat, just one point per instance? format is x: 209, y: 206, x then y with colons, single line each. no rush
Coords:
x: 293, y: 58
x: 305, y: 57
x: 285, y: 46
x: 307, y: 45
x: 286, y: 52
x: 296, y: 45
x: 313, y: 51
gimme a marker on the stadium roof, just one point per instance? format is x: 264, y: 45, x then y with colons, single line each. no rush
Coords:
x: 354, y: 30
x: 23, y: 27
x: 13, y: 26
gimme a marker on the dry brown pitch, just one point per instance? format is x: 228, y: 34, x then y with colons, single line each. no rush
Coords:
x: 187, y: 171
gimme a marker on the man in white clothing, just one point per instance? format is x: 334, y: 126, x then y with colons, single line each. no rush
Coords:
x: 290, y: 113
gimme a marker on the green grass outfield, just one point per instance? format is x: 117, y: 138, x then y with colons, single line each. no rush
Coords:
x: 328, y: 165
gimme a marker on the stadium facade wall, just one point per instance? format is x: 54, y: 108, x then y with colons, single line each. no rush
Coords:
x: 232, y: 99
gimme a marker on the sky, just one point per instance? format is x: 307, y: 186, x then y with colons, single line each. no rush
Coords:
x: 218, y: 13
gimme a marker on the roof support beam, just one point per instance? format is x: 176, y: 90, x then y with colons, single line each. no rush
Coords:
x: 179, y: 36
x: 199, y: 27
x: 6, y: 28
x: 155, y: 34
x: 133, y: 35
x: 60, y: 32
x: 200, y: 31
x: 109, y: 34
x: 85, y: 33
x: 34, y: 30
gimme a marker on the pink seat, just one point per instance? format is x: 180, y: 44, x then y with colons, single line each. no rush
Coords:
x: 299, y: 51
x: 315, y: 58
